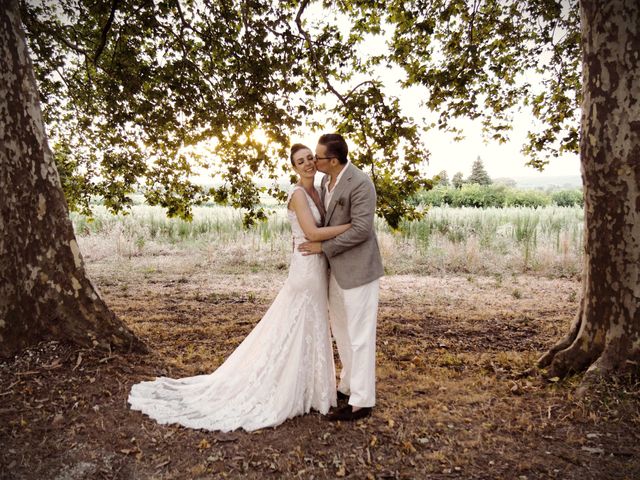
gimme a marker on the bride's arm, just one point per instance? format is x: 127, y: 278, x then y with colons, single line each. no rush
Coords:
x: 313, y: 233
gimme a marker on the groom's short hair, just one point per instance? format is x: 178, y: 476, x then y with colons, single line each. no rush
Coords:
x: 336, y: 146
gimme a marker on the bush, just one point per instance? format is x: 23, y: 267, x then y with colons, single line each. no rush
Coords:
x: 474, y: 195
x: 496, y: 195
x: 568, y: 198
x: 527, y: 198
x: 434, y: 197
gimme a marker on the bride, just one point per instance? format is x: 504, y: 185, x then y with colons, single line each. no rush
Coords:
x: 284, y: 367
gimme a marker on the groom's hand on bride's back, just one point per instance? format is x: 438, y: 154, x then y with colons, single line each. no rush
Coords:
x: 310, y: 248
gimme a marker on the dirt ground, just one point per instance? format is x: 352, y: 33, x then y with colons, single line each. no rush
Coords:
x: 451, y: 403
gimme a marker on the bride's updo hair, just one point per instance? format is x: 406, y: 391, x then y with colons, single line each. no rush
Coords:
x: 296, y: 147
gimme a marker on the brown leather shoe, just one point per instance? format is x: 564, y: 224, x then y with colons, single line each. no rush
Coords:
x: 346, y: 414
x: 342, y: 396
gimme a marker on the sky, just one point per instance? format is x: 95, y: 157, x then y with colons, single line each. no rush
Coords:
x: 500, y: 160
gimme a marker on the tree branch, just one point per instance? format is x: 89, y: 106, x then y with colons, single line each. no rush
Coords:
x: 325, y: 77
x: 476, y: 5
x: 358, y: 86
x: 105, y: 31
x: 55, y: 34
x: 178, y: 38
x: 314, y: 58
x: 183, y: 20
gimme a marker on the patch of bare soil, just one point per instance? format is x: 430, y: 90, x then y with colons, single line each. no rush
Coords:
x: 451, y: 403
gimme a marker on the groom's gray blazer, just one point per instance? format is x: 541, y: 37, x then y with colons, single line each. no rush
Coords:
x: 354, y: 255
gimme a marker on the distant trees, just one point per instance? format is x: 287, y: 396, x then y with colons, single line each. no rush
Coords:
x: 443, y: 178
x: 497, y: 196
x: 458, y: 180
x: 478, y: 173
x: 506, y: 181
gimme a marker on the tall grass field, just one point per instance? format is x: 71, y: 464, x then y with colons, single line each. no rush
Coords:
x: 490, y: 241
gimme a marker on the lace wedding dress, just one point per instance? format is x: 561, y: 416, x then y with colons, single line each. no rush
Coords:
x: 282, y: 369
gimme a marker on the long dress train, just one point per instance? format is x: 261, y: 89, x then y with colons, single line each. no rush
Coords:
x: 282, y: 369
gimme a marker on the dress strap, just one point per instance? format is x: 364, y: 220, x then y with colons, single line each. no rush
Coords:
x: 296, y: 187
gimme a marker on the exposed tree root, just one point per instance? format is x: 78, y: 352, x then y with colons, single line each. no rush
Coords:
x: 547, y: 359
x: 617, y: 359
x: 602, y: 358
x: 100, y: 328
x: 573, y: 359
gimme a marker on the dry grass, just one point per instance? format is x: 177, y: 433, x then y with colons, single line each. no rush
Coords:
x: 545, y: 241
x: 451, y: 403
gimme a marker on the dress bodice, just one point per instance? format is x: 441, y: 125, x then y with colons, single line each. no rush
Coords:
x: 296, y: 229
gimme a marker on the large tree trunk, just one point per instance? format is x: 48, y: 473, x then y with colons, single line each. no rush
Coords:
x: 605, y: 335
x: 44, y: 290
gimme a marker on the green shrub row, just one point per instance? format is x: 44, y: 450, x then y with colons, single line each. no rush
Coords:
x: 497, y: 196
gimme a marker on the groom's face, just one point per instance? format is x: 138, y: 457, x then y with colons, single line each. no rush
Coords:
x: 323, y: 163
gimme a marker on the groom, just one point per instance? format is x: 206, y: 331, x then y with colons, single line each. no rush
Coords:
x: 354, y: 258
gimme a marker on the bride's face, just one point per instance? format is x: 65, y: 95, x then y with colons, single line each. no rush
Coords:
x: 304, y: 164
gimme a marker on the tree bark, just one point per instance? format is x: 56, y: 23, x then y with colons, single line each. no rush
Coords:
x: 44, y: 290
x: 605, y: 336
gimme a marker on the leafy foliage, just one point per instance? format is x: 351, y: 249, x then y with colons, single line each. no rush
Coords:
x: 129, y: 88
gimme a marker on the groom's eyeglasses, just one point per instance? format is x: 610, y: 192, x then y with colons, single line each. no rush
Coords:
x: 315, y: 157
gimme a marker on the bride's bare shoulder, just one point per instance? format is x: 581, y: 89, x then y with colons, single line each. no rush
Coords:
x: 296, y: 192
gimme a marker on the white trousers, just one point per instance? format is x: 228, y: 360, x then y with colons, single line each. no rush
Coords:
x: 353, y: 316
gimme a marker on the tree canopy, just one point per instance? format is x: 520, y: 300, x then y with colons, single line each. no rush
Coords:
x: 128, y: 87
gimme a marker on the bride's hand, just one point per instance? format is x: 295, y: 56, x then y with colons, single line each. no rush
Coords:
x: 310, y: 248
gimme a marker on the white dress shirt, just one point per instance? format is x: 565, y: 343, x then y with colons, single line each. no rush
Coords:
x: 329, y: 193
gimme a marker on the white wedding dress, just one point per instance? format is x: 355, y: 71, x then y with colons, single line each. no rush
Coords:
x: 282, y: 369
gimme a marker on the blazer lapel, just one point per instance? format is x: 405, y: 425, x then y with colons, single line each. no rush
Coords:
x: 337, y: 191
x: 323, y: 182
